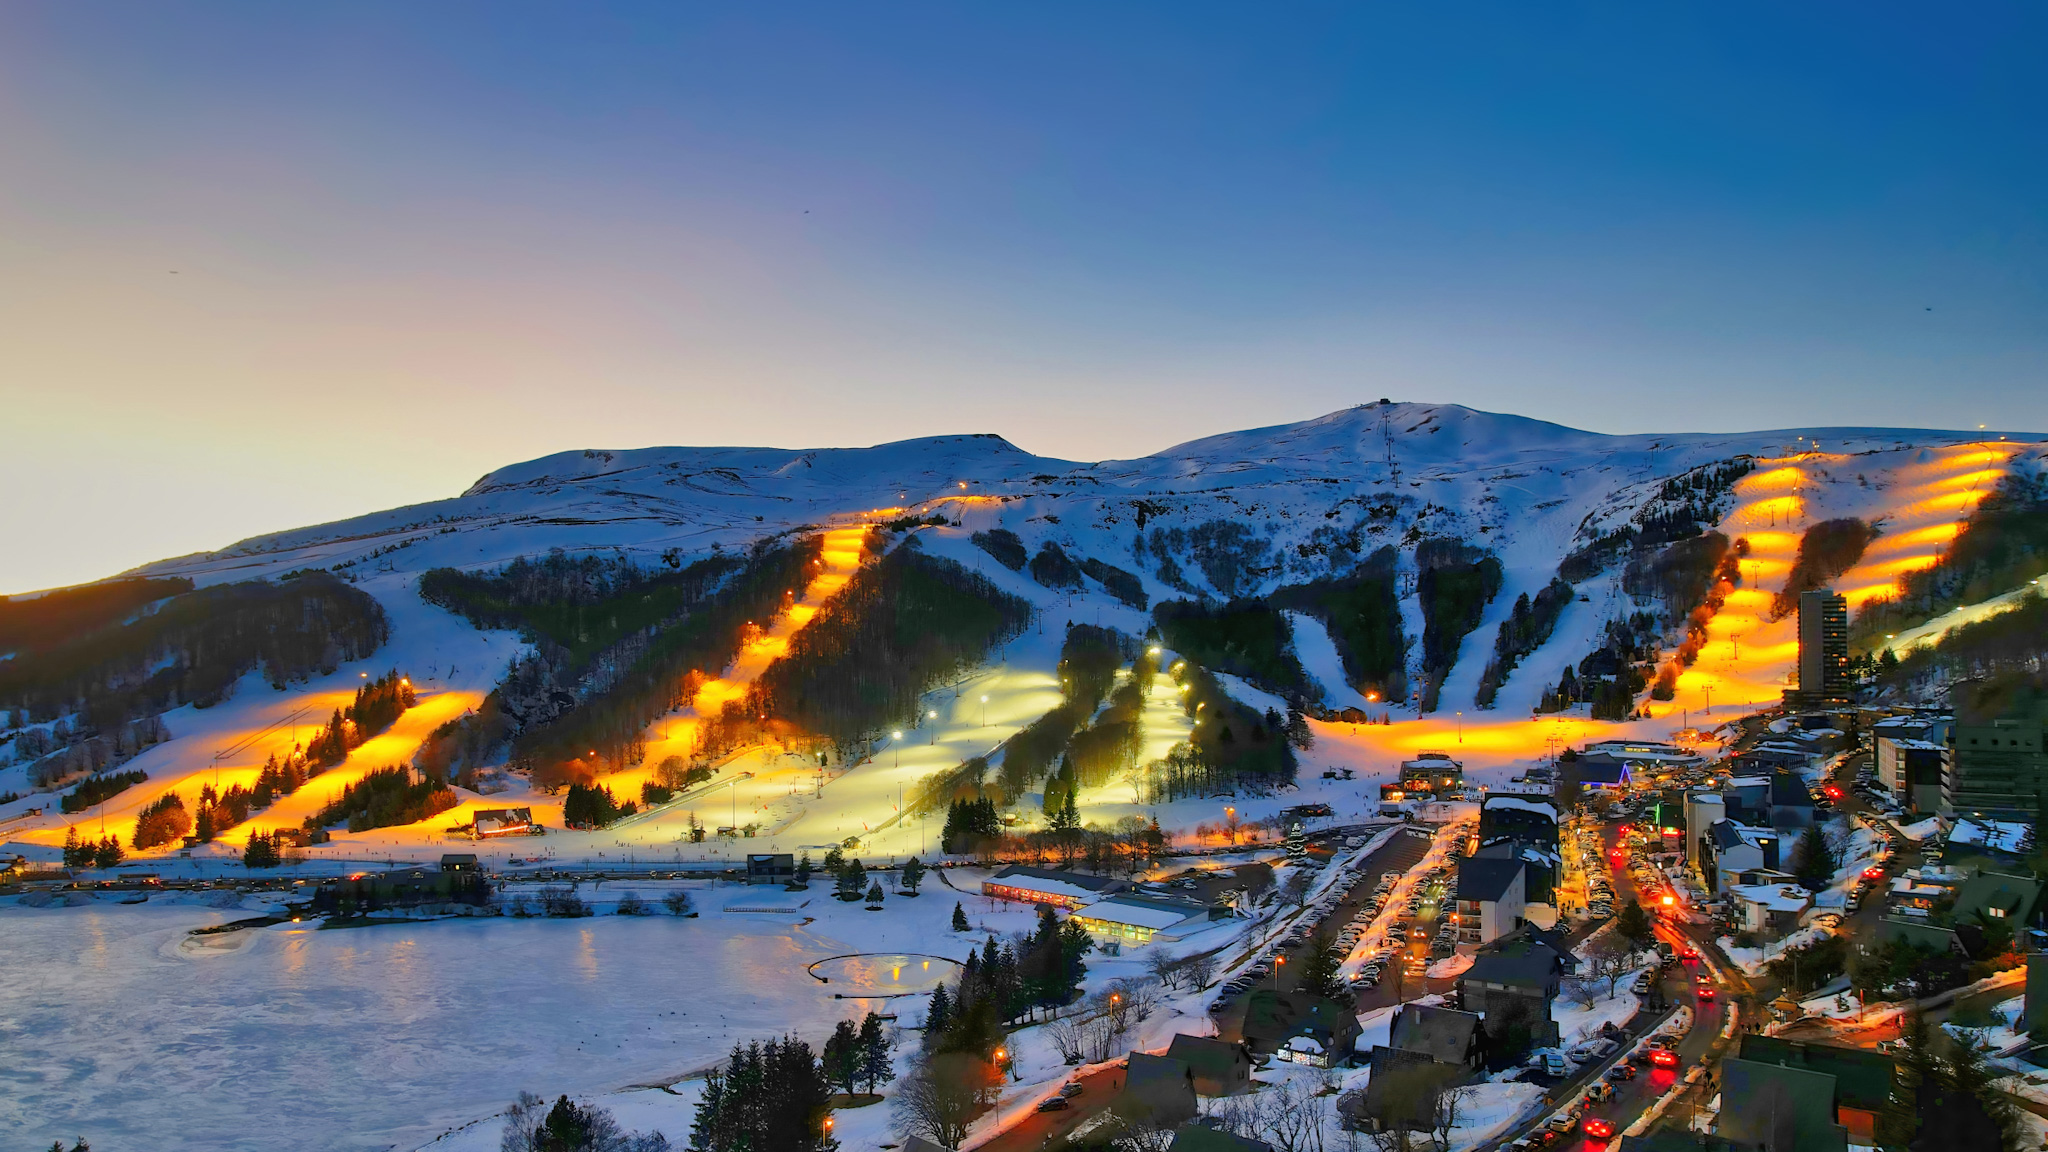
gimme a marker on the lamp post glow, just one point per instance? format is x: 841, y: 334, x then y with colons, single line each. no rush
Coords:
x: 984, y: 711
x: 898, y: 738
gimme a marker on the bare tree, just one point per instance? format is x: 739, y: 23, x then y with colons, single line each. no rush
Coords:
x: 1165, y: 967
x: 1609, y: 958
x: 1067, y: 1038
x: 1287, y: 1116
x: 1201, y: 969
x: 1295, y: 888
x: 941, y: 1096
x: 1839, y: 837
x: 1449, y: 1106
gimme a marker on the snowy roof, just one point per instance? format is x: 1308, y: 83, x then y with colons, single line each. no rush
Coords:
x: 1442, y: 1034
x: 1074, y: 885
x: 1519, y: 803
x: 1728, y: 834
x: 1997, y: 835
x: 1776, y: 897
x: 1641, y: 750
x: 1141, y: 912
x: 1922, y: 830
x: 34, y: 853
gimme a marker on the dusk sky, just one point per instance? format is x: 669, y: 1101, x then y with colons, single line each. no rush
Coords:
x: 266, y: 265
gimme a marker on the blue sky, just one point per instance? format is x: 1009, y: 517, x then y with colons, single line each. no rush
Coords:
x: 367, y: 252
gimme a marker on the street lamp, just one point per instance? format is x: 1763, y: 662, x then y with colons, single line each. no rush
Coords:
x: 984, y: 711
x: 1461, y: 727
x: 931, y: 733
x: 898, y: 738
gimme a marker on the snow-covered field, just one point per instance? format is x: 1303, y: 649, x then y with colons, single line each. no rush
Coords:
x: 122, y: 1027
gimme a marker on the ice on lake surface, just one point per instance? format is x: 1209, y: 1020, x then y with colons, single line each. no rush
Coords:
x: 121, y: 1027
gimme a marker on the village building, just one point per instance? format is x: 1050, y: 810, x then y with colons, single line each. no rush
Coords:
x: 1058, y: 888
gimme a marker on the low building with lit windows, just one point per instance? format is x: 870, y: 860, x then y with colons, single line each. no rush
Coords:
x: 1143, y: 919
x: 1049, y: 886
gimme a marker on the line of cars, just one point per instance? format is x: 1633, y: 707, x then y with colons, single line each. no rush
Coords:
x: 1656, y: 1052
x: 1300, y: 933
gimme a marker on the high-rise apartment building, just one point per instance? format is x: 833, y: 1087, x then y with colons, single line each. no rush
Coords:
x: 1823, y: 647
x: 2000, y: 749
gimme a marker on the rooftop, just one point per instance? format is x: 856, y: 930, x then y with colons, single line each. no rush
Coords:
x: 1482, y: 878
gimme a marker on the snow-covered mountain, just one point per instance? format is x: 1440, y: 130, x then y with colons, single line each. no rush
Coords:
x: 1523, y: 488
x: 1237, y: 514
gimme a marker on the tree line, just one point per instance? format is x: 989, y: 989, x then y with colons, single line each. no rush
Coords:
x: 1456, y: 582
x: 385, y: 798
x: 899, y: 627
x: 556, y: 734
x: 1362, y: 612
x: 1684, y: 506
x: 1232, y: 747
x: 191, y: 649
x: 1524, y: 631
x: 2003, y: 545
x: 1246, y: 638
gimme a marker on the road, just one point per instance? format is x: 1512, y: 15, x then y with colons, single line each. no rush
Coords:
x: 1675, y: 986
x: 1038, y: 1129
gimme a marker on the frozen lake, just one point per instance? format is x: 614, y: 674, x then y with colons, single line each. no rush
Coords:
x: 118, y: 1027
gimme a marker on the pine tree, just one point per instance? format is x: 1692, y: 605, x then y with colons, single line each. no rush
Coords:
x: 913, y: 875
x: 1319, y: 969
x: 842, y: 1056
x: 938, y: 1016
x: 803, y: 870
x: 852, y: 880
x: 1634, y: 925
x: 875, y: 1066
x: 959, y: 918
x: 875, y: 895
x: 76, y: 854
x: 1817, y: 865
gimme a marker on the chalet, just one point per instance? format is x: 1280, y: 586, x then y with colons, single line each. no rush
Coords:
x: 2013, y: 901
x: 458, y: 862
x: 1732, y: 849
x: 1159, y: 1091
x: 1602, y: 771
x: 1052, y: 886
x: 1220, y: 1068
x: 1784, y: 1095
x: 1274, y: 1021
x: 1432, y: 772
x: 1444, y: 1035
x: 1230, y: 888
x: 1524, y: 969
x: 1528, y: 819
x: 490, y: 822
x: 1791, y: 802
x: 1539, y: 866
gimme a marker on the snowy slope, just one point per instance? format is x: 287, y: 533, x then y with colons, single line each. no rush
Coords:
x: 1312, y: 498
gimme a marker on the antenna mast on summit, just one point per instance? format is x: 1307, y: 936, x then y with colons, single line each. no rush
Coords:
x: 1387, y: 435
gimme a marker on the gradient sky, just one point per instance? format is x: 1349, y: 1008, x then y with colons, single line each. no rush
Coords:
x: 265, y: 265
